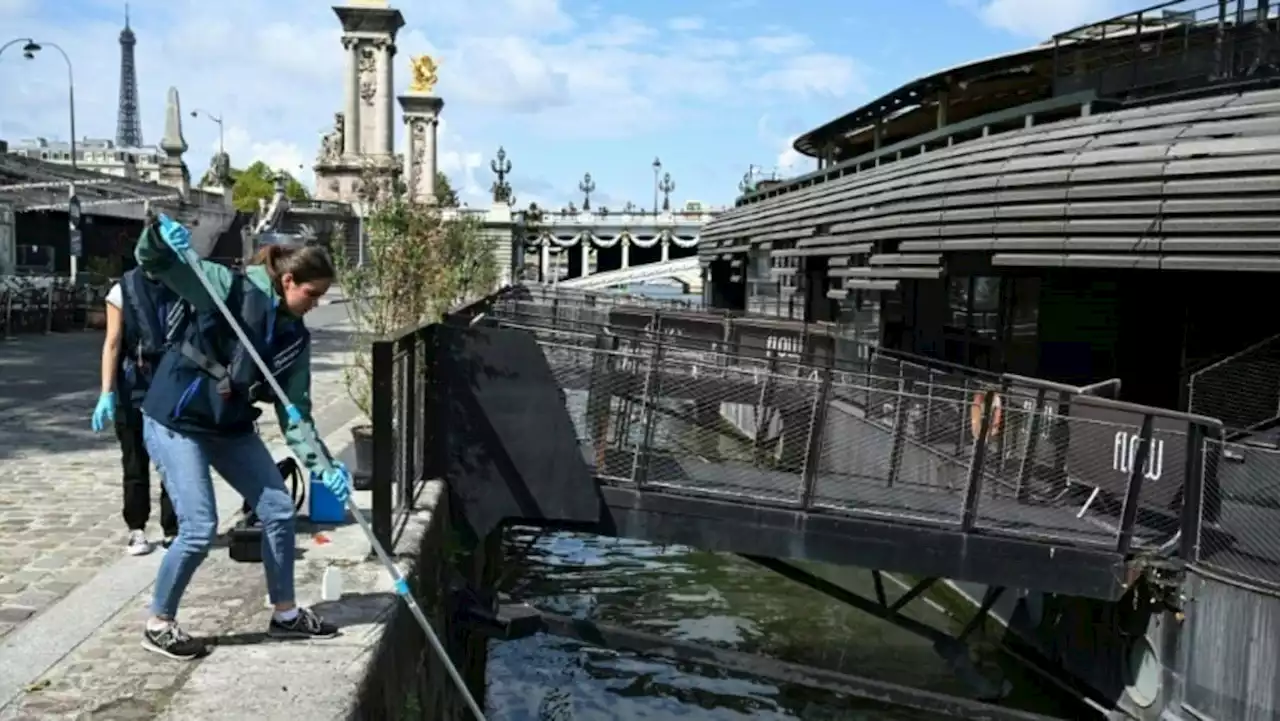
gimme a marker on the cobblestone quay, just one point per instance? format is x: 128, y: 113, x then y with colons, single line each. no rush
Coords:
x: 72, y: 603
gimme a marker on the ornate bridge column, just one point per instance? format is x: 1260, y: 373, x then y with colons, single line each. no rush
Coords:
x: 422, y: 125
x: 626, y: 252
x: 385, y: 50
x: 362, y: 140
x: 351, y: 119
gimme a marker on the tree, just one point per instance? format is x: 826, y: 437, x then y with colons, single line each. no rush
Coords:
x: 446, y: 197
x: 258, y: 182
x: 418, y: 264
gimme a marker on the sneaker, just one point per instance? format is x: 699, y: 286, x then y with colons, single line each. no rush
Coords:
x: 305, y: 625
x: 173, y: 642
x: 138, y: 544
x: 168, y: 540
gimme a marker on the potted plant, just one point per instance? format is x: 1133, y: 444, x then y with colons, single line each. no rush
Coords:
x: 418, y: 262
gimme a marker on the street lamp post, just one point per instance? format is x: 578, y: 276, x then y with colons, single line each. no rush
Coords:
x: 29, y: 50
x: 657, y: 168
x: 215, y: 118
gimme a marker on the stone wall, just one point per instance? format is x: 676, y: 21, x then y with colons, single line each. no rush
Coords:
x: 404, y: 679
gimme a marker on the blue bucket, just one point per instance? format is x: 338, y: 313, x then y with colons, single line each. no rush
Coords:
x: 325, y: 507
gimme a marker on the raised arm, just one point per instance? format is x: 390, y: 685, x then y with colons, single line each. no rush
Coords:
x: 159, y: 260
x: 297, y: 385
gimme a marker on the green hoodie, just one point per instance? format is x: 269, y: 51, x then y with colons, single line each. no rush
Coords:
x: 161, y: 262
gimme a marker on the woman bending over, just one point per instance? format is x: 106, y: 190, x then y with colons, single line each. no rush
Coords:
x: 200, y: 413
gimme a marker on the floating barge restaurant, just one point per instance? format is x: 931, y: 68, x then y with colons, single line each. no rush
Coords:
x: 1101, y: 210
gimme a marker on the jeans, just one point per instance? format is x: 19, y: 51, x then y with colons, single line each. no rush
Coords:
x: 244, y: 461
x: 137, y: 475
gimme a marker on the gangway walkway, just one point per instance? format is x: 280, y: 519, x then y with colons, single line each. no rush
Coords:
x: 677, y: 269
x: 884, y: 462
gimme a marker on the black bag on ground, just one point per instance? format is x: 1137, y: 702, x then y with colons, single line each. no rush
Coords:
x: 245, y: 537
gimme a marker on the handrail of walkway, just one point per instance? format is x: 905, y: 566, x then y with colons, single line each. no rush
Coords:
x: 1113, y: 446
x: 1087, y: 407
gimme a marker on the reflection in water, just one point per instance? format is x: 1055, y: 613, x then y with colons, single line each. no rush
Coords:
x: 692, y: 596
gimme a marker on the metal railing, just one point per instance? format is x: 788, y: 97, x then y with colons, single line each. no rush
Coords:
x: 1242, y: 389
x: 1018, y: 461
x: 1170, y: 47
x: 1240, y: 535
x: 400, y: 369
x: 659, y: 406
x: 44, y: 304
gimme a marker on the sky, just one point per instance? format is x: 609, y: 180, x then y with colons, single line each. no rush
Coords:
x: 567, y: 87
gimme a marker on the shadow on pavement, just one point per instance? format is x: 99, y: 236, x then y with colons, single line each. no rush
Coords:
x: 353, y: 609
x: 49, y: 385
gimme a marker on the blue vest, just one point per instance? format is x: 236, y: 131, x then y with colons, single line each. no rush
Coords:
x: 153, y: 317
x: 207, y: 383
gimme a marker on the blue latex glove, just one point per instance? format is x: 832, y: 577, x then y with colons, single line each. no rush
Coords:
x: 338, y: 480
x: 104, y: 412
x: 175, y: 235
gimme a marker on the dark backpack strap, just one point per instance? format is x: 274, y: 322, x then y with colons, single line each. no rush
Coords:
x: 288, y: 468
x: 221, y: 378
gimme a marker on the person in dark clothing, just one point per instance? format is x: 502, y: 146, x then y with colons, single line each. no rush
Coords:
x: 200, y: 415
x: 142, y: 316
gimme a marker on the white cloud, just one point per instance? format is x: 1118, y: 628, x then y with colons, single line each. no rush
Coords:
x: 686, y: 24
x: 274, y: 71
x: 781, y: 44
x: 1039, y: 20
x: 276, y: 154
x: 815, y: 74
x: 791, y: 162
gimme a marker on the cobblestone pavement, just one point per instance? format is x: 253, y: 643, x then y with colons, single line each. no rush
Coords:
x: 60, y: 492
x: 110, y: 677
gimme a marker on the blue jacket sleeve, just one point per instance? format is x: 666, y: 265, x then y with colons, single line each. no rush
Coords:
x: 161, y: 262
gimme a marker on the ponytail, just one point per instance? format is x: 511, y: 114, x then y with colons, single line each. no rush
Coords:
x: 267, y: 256
x: 306, y: 263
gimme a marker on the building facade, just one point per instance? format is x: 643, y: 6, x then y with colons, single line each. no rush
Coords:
x: 99, y: 155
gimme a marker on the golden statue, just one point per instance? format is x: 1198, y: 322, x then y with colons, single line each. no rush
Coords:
x: 424, y: 74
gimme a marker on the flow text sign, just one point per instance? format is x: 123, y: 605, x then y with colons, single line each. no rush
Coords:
x: 1103, y: 449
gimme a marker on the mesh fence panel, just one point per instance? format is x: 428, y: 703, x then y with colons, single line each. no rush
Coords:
x: 1242, y: 390
x: 1066, y: 477
x: 602, y: 395
x: 691, y: 448
x: 876, y: 462
x: 873, y: 435
x: 1240, y: 534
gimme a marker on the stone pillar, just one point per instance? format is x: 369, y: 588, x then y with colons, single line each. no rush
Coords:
x: 544, y: 261
x: 666, y: 249
x: 386, y: 53
x: 351, y: 117
x: 422, y: 120
x: 586, y: 258
x: 173, y: 169
x: 626, y: 253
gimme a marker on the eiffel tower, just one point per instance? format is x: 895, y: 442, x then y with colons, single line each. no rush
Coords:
x: 128, y: 124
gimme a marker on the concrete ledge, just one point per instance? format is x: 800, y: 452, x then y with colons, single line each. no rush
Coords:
x: 404, y: 679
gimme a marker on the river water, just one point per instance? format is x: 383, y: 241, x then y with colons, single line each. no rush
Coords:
x: 707, y: 598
